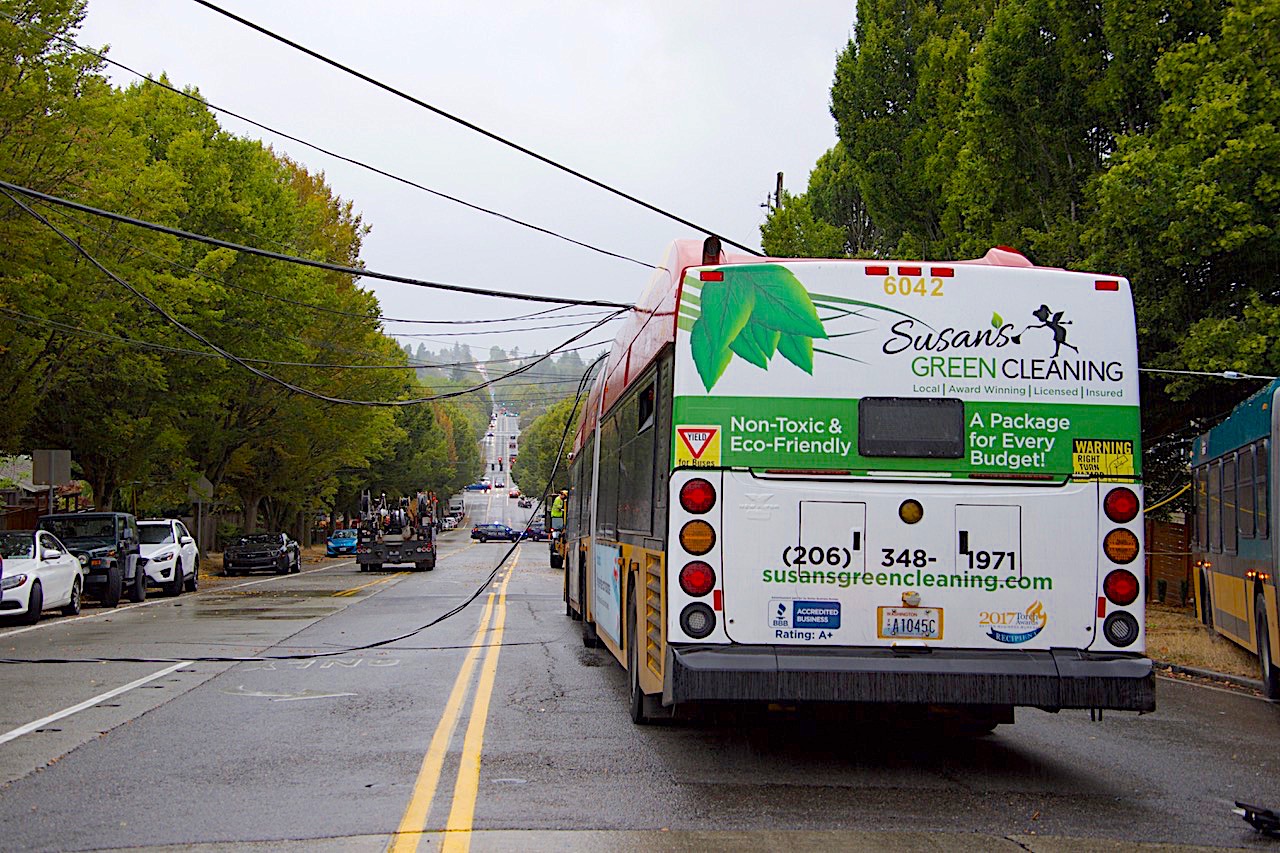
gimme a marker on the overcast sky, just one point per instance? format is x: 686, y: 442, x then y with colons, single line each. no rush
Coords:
x: 692, y: 106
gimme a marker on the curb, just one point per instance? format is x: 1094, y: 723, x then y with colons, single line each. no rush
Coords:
x: 1237, y: 680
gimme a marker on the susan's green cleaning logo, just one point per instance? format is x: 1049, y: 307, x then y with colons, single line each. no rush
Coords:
x: 755, y: 311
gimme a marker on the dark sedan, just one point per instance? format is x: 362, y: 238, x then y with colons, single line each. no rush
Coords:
x: 262, y: 551
x: 485, y: 532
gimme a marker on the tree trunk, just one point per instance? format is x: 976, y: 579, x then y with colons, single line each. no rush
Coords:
x: 251, y: 504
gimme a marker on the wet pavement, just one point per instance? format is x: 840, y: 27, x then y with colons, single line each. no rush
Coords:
x: 497, y: 730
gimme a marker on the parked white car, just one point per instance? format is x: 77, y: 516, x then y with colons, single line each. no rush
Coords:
x: 169, y: 555
x: 39, y: 574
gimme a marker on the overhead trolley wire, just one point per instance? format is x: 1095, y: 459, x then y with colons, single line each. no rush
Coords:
x: 298, y: 389
x: 306, y: 262
x: 101, y: 57
x: 471, y: 125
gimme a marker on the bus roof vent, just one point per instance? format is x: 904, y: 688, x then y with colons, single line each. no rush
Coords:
x: 1006, y: 256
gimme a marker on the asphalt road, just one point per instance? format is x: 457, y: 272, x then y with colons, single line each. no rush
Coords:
x: 496, y: 729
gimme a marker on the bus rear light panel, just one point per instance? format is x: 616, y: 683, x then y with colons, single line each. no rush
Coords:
x: 1120, y: 593
x: 695, y: 606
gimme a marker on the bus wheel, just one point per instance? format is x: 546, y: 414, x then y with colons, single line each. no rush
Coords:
x: 633, y: 662
x: 1270, y: 676
x: 590, y: 638
x: 1207, y: 604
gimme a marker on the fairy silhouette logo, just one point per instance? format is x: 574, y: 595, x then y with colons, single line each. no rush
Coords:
x: 1051, y: 320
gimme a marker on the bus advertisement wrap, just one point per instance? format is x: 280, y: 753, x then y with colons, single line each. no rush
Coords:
x: 777, y: 375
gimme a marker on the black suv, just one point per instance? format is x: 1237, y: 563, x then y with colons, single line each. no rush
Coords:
x: 106, y: 543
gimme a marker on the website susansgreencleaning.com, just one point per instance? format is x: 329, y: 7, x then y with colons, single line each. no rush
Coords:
x: 845, y: 579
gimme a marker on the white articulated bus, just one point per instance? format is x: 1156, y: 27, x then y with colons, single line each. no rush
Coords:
x: 896, y: 483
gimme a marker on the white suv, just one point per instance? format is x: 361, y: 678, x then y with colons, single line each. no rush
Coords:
x: 169, y: 555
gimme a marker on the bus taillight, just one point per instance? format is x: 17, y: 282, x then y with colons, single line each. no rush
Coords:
x: 1121, y: 587
x: 697, y: 537
x: 1120, y: 505
x: 697, y: 620
x: 697, y: 496
x: 1120, y: 546
x: 1120, y: 629
x: 697, y: 578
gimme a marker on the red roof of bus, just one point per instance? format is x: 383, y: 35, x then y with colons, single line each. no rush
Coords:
x: 651, y: 325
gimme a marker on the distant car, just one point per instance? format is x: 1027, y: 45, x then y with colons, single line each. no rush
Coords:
x: 477, y: 487
x: 341, y: 542
x: 448, y: 522
x: 39, y: 573
x: 169, y: 555
x: 525, y: 503
x: 514, y: 493
x: 106, y: 544
x: 485, y: 532
x: 257, y: 551
x: 537, y: 532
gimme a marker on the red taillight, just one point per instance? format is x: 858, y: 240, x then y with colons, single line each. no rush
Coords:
x: 942, y: 272
x: 877, y: 270
x: 1106, y: 285
x: 1120, y: 505
x: 1120, y: 587
x: 697, y: 578
x: 711, y: 275
x: 697, y: 496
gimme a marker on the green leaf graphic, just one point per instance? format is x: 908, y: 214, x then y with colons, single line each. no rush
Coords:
x: 711, y: 360
x: 726, y: 309
x: 996, y: 320
x: 781, y: 302
x: 797, y: 349
x: 756, y: 344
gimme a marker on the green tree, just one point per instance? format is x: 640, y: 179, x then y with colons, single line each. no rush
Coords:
x: 539, y: 444
x: 792, y: 231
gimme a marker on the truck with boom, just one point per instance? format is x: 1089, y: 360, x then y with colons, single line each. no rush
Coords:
x: 389, y: 535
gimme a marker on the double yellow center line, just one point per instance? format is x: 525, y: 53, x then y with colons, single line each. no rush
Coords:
x: 467, y: 786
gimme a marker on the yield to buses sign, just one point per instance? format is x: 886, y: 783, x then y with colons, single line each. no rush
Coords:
x: 698, y: 446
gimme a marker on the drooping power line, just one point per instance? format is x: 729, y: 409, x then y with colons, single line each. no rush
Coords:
x: 101, y: 57
x: 307, y: 262
x: 471, y: 125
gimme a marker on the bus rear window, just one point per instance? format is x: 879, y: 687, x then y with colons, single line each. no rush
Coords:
x: 911, y: 426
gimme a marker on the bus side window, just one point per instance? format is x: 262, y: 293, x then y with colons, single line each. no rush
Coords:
x: 1200, y: 509
x: 1246, y: 494
x: 1230, y: 505
x: 1261, y: 460
x: 1214, y: 505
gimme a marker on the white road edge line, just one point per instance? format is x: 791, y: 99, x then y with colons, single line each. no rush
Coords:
x: 71, y: 620
x: 89, y: 703
x: 150, y: 601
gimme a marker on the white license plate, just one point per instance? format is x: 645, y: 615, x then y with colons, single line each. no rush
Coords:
x: 910, y: 623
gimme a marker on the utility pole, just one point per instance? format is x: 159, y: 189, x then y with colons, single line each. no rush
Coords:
x: 777, y: 196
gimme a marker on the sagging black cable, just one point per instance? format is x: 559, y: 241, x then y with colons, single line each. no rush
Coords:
x: 262, y: 374
x: 101, y: 57
x: 358, y: 272
x: 471, y: 126
x: 120, y: 241
x: 378, y: 644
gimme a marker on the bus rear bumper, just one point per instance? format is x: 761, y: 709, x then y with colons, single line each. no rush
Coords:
x: 1052, y: 680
